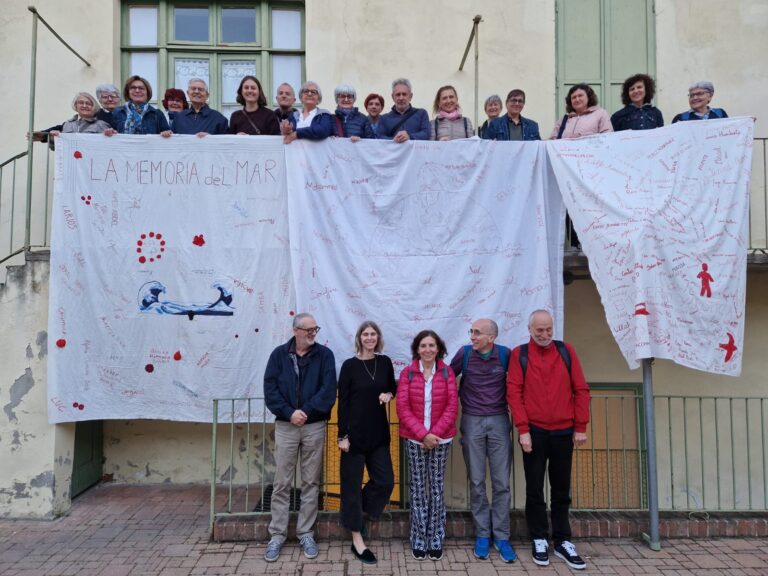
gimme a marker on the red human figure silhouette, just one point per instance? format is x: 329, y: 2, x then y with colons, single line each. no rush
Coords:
x: 706, y: 278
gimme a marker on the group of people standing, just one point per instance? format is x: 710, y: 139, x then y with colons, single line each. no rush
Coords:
x: 191, y: 114
x: 541, y: 384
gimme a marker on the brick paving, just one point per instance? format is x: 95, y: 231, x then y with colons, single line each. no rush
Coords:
x: 115, y: 530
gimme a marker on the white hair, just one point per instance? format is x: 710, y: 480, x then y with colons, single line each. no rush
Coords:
x: 197, y: 80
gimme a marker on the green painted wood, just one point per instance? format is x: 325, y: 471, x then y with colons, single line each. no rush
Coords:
x: 88, y: 461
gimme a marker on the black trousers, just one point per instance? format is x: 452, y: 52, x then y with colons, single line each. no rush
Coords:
x: 374, y: 496
x: 555, y: 450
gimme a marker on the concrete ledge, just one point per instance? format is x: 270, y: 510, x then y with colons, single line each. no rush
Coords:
x: 583, y: 524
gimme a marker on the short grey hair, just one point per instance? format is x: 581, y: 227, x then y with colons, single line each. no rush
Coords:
x: 403, y: 81
x: 107, y: 88
x: 289, y: 86
x: 491, y: 99
x: 299, y: 318
x: 703, y: 85
x: 344, y: 89
x: 197, y: 80
x: 96, y: 106
x: 306, y: 86
x: 539, y: 311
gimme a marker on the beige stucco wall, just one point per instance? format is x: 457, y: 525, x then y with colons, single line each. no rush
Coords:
x: 91, y: 28
x: 711, y: 40
x: 36, y: 457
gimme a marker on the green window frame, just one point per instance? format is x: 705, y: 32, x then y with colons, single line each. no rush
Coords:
x: 272, y: 62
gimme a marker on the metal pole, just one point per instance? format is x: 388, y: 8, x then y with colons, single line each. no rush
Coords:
x: 650, y: 438
x: 477, y: 68
x: 31, y: 129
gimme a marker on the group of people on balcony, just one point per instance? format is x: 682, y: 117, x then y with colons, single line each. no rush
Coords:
x: 541, y: 384
x: 191, y: 114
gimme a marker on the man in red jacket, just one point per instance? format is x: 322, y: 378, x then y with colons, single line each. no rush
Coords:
x: 549, y: 400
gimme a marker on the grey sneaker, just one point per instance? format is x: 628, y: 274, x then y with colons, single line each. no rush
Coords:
x: 273, y: 550
x: 309, y: 546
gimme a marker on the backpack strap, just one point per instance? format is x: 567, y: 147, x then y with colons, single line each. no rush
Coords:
x: 437, y: 136
x: 503, y: 356
x: 445, y: 372
x: 524, y: 359
x: 562, y: 127
x: 465, y: 359
x: 466, y: 127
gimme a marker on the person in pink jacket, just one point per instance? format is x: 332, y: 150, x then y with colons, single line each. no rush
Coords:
x: 427, y: 407
x: 584, y: 116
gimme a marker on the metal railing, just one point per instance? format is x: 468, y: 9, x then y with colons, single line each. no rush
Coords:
x: 712, y: 456
x: 15, y: 226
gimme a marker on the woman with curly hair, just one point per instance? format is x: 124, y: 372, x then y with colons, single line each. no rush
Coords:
x: 427, y: 405
x: 638, y: 112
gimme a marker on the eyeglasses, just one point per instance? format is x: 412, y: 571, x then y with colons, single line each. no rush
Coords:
x: 475, y: 333
x: 86, y: 103
x: 313, y: 330
x: 516, y: 101
x: 196, y: 89
x: 138, y: 88
x: 697, y: 94
x: 310, y: 91
x: 345, y: 97
x: 110, y: 97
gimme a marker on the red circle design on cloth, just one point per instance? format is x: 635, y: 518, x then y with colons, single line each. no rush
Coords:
x: 78, y: 154
x: 292, y: 313
x: 80, y: 406
x: 75, y: 404
x: 150, y: 245
x: 177, y: 356
x: 149, y: 368
x: 61, y: 342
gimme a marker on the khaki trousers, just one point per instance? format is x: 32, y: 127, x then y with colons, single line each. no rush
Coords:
x: 305, y: 444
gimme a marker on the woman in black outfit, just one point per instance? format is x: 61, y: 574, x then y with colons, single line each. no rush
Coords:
x: 255, y: 119
x: 366, y: 385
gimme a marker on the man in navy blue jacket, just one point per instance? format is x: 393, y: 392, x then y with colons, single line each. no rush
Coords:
x: 199, y: 118
x: 300, y: 390
x: 404, y: 122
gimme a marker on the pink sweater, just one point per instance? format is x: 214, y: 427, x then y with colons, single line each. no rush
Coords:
x: 594, y: 121
x: 410, y: 403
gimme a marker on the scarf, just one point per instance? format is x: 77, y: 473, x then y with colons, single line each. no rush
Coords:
x: 134, y: 117
x: 455, y: 115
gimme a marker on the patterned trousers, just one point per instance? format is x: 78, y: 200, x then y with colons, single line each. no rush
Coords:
x: 427, y: 502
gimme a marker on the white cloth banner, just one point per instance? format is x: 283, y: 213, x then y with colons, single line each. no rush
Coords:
x: 170, y: 275
x: 423, y: 235
x: 662, y: 217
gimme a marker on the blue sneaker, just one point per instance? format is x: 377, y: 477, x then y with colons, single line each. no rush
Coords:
x: 309, y: 546
x: 482, y: 547
x: 505, y: 549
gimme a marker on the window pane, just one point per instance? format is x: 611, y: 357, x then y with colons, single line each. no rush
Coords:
x: 191, y: 24
x: 143, y: 26
x: 145, y: 65
x: 227, y: 109
x: 286, y: 29
x: 286, y: 69
x: 232, y: 72
x: 186, y: 69
x: 238, y: 25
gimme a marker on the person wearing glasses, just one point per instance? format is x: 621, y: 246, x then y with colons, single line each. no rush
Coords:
x: 349, y: 122
x: 449, y: 123
x: 85, y: 121
x: 485, y: 435
x: 199, y: 119
x: 300, y: 390
x: 366, y: 386
x: 138, y: 116
x: 513, y: 126
x: 427, y: 406
x: 699, y: 96
x: 310, y: 122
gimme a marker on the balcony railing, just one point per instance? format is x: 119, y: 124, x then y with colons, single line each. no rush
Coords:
x: 712, y: 456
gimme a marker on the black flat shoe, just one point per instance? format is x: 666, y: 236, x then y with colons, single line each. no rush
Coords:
x: 366, y: 556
